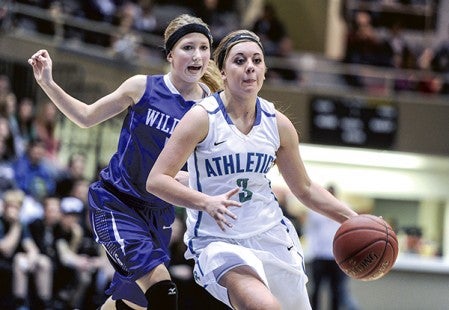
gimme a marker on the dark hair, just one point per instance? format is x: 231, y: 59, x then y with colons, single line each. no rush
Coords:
x: 230, y: 40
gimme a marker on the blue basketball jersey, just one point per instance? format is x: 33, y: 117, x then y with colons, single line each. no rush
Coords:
x: 146, y: 128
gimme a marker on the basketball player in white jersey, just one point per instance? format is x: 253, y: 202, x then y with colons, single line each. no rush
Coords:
x: 247, y: 254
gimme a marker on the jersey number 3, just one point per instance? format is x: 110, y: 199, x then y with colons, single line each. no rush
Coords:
x: 246, y: 194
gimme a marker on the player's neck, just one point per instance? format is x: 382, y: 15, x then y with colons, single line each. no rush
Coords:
x: 242, y: 111
x: 188, y: 90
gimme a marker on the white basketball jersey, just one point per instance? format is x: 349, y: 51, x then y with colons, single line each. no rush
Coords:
x: 227, y: 159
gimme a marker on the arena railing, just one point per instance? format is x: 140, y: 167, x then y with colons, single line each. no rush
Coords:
x: 315, y: 72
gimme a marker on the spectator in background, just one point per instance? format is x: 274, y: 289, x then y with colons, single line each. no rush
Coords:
x: 43, y: 233
x: 362, y: 45
x: 319, y: 232
x: 5, y: 16
x: 8, y: 107
x: 73, y: 270
x: 126, y: 43
x: 32, y: 174
x: 363, y: 42
x: 5, y: 87
x: 25, y: 123
x: 397, y: 53
x: 276, y: 43
x: 7, y: 140
x: 45, y: 125
x: 8, y: 103
x: 397, y: 47
x: 145, y: 18
x: 414, y: 242
x: 34, y: 262
x: 42, y: 230
x: 11, y: 233
x: 34, y: 178
x: 7, y: 175
x: 76, y: 169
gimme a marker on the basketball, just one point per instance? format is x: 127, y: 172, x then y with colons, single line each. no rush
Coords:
x: 365, y: 247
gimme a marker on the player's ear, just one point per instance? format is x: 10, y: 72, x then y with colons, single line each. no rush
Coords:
x: 169, y: 57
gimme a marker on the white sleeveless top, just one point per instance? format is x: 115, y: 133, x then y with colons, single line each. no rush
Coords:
x: 226, y: 159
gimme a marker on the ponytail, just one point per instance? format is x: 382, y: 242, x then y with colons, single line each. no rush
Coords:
x: 212, y: 77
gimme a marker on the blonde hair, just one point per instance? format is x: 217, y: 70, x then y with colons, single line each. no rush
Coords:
x: 212, y: 77
x: 14, y: 196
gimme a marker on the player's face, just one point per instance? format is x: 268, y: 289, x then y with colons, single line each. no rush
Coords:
x: 244, y: 69
x: 189, y: 57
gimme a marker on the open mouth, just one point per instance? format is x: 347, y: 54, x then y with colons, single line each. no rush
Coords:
x: 194, y: 68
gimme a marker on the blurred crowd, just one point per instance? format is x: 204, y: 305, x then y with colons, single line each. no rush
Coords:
x: 371, y: 39
x: 48, y: 258
x: 382, y: 42
x: 139, y: 25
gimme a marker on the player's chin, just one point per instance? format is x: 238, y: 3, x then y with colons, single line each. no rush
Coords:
x: 250, y: 87
x: 193, y: 76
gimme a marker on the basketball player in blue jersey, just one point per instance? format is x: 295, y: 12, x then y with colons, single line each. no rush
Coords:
x: 133, y: 225
x: 247, y: 254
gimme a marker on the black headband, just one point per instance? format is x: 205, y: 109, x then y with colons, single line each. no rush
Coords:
x: 232, y: 42
x: 186, y: 29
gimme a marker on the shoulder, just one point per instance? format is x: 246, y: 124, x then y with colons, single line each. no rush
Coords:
x: 193, y: 126
x: 134, y: 87
x: 267, y: 106
x: 138, y: 80
x: 287, y: 131
x: 209, y: 104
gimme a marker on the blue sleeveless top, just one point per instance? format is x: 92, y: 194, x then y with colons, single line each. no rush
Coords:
x: 145, y: 130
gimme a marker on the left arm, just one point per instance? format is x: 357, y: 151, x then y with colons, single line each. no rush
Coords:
x: 295, y: 175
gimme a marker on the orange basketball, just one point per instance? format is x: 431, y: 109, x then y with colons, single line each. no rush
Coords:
x: 365, y: 247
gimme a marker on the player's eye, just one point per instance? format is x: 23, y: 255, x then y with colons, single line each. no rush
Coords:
x: 239, y: 61
x: 258, y: 61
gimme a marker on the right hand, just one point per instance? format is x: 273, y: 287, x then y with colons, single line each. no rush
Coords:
x: 42, y: 66
x: 217, y: 208
x: 12, y: 215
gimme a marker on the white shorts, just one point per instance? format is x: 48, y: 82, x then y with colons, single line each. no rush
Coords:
x: 275, y: 255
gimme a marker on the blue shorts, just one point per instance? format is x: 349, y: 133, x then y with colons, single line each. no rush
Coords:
x: 136, y: 237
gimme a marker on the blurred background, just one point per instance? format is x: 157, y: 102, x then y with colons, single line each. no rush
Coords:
x: 366, y: 83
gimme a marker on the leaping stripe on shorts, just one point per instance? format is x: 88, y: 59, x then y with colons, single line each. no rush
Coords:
x: 117, y: 234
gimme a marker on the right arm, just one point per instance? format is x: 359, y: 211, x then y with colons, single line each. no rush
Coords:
x: 82, y: 114
x: 162, y: 181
